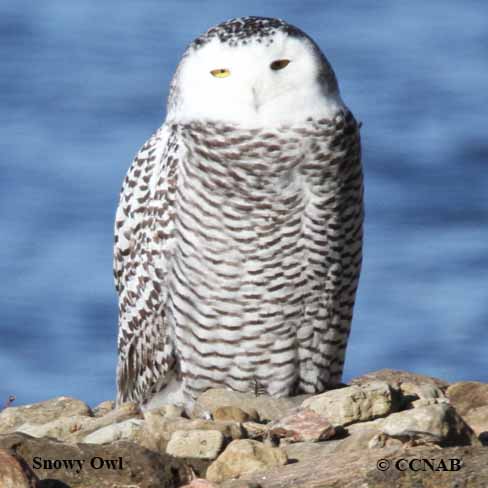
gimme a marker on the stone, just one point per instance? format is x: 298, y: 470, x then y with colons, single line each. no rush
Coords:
x: 200, y: 483
x: 103, y: 408
x: 477, y: 419
x: 468, y: 395
x: 169, y: 411
x: 201, y: 444
x: 130, y: 430
x: 440, y: 421
x: 268, y: 408
x: 254, y: 430
x: 419, y: 395
x: 235, y: 414
x: 358, y: 469
x: 15, y: 472
x: 239, y: 484
x: 395, y: 379
x: 158, y: 429
x: 75, y: 428
x: 359, y: 436
x: 245, y: 456
x: 345, y: 406
x: 302, y: 426
x: 165, y: 427
x: 60, y: 428
x: 125, y: 464
x: 124, y: 412
x: 303, y: 451
x: 42, y: 413
x: 426, y: 391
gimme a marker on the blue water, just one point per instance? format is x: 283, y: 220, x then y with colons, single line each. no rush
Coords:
x: 83, y: 84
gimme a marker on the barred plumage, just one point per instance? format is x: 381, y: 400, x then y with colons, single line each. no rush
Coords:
x: 238, y: 242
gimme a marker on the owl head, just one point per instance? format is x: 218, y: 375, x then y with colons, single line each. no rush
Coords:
x: 253, y: 72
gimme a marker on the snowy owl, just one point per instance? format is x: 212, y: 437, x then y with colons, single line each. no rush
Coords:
x: 238, y: 235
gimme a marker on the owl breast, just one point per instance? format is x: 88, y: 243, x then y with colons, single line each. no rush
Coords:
x: 265, y: 255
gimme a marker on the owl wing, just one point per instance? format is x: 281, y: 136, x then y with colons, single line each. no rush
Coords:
x: 143, y: 230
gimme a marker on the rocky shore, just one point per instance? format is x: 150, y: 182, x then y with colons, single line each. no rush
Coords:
x: 385, y: 429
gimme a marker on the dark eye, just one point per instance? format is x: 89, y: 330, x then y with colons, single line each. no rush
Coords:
x: 279, y: 64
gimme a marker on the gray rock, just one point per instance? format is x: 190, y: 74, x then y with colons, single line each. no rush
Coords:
x: 130, y: 430
x: 440, y: 421
x: 243, y: 457
x: 42, y: 413
x: 15, y: 472
x: 268, y: 408
x: 345, y: 406
x: 201, y: 444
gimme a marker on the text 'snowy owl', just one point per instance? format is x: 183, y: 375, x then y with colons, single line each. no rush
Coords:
x: 238, y: 234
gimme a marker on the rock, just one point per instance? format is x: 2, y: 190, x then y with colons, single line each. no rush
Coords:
x: 164, y: 427
x: 268, y: 408
x: 235, y: 414
x: 169, y: 411
x: 158, y: 430
x: 239, y: 484
x: 59, y: 429
x: 130, y: 430
x: 302, y: 426
x: 125, y: 464
x: 75, y: 428
x: 396, y: 378
x: 303, y: 451
x: 358, y: 469
x: 42, y: 413
x: 245, y: 456
x: 201, y: 444
x: 254, y: 430
x: 419, y: 395
x: 359, y: 436
x: 200, y: 483
x: 103, y: 408
x: 468, y: 395
x: 125, y: 412
x: 439, y: 421
x: 15, y: 472
x: 477, y: 419
x: 345, y: 406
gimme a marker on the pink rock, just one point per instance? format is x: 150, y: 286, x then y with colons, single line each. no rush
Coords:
x: 303, y: 425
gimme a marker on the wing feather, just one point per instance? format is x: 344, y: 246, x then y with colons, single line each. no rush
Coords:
x: 143, y: 234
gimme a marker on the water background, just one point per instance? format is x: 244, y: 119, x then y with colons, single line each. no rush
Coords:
x: 83, y: 84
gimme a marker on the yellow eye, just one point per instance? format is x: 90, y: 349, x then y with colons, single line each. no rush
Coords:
x: 220, y: 73
x: 279, y: 64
